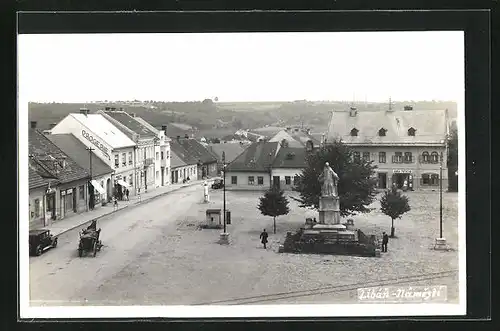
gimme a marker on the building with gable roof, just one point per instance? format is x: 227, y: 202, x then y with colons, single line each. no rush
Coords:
x: 296, y: 137
x: 288, y: 165
x: 58, y: 185
x: 110, y: 144
x: 406, y: 145
x: 183, y: 166
x: 206, y: 160
x: 231, y: 152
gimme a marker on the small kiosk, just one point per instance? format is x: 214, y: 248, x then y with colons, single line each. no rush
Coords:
x: 214, y: 217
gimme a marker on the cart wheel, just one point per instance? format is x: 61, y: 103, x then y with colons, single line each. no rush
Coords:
x: 95, y: 249
x: 38, y: 250
x: 54, y: 244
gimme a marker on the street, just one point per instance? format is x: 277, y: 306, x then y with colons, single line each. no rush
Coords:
x: 154, y: 254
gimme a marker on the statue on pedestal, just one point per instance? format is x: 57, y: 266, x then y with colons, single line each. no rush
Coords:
x: 329, y: 180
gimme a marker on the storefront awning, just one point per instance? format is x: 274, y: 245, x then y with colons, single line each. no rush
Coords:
x: 122, y: 183
x: 98, y: 187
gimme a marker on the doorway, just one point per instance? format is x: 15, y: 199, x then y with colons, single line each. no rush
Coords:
x: 399, y: 179
x: 162, y: 176
x: 276, y: 182
x: 382, y: 180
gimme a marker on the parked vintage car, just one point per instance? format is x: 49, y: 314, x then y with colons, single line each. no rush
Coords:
x: 218, y: 183
x: 40, y: 241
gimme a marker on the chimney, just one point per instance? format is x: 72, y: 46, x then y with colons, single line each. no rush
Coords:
x: 353, y: 111
x: 84, y: 111
x: 52, y: 125
x: 33, y: 124
x: 164, y: 128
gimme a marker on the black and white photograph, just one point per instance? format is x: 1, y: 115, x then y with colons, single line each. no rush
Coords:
x: 251, y: 174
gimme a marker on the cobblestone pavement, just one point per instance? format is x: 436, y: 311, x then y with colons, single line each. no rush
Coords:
x: 155, y: 254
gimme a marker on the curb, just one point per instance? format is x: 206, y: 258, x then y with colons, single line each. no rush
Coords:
x: 115, y: 211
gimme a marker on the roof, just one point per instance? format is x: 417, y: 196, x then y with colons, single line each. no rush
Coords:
x: 290, y: 157
x: 183, y: 155
x: 76, y: 150
x: 104, y: 129
x: 131, y: 123
x: 295, y: 138
x: 196, y: 150
x: 255, y: 157
x: 232, y: 151
x: 35, y: 180
x: 176, y: 161
x: 147, y: 125
x: 48, y: 156
x: 430, y: 126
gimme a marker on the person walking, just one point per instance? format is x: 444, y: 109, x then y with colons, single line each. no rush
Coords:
x: 115, y: 203
x: 385, y: 241
x: 127, y: 192
x: 263, y: 237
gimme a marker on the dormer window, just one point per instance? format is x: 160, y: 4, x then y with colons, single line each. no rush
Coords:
x: 354, y: 132
x: 382, y: 132
x: 411, y: 131
x: 284, y: 143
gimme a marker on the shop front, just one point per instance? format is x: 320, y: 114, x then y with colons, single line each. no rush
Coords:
x: 97, y: 194
x: 121, y: 187
x: 403, y: 179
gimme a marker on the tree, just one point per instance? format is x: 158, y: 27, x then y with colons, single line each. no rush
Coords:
x: 394, y: 205
x: 357, y: 184
x: 274, y: 204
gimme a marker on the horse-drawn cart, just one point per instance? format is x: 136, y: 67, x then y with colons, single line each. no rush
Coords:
x: 89, y: 240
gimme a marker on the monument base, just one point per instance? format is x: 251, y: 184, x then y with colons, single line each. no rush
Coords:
x: 440, y: 245
x: 224, y: 239
x: 339, y: 227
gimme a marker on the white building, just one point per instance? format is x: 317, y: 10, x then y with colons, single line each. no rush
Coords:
x: 110, y: 144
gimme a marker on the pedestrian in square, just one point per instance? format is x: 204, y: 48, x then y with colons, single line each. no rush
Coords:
x: 263, y: 237
x: 115, y: 203
x: 127, y: 193
x: 385, y: 241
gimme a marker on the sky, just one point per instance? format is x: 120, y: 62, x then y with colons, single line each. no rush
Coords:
x: 346, y: 66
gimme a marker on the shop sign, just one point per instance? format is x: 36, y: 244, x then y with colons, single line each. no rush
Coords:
x: 96, y: 143
x: 401, y: 171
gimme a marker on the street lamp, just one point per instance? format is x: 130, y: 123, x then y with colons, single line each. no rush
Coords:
x: 441, y: 242
x: 224, y: 237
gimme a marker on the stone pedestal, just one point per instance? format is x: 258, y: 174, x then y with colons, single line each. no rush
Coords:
x: 441, y: 245
x: 224, y: 239
x: 329, y: 210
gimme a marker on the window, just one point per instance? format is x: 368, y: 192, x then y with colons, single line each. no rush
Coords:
x: 382, y: 132
x: 354, y: 132
x: 157, y: 156
x: 425, y: 179
x: 430, y: 179
x: 356, y: 156
x: 408, y: 157
x: 130, y: 180
x: 162, y: 155
x: 234, y: 180
x: 381, y: 157
x: 434, y: 157
x: 251, y: 180
x: 260, y: 180
x: 366, y: 156
x: 130, y: 158
x: 425, y: 157
x: 81, y: 190
x: 397, y: 158
x: 37, y: 207
x: 102, y: 183
x: 117, y: 160
x: 124, y: 159
x: 288, y: 180
x: 168, y: 154
x: 411, y: 132
x: 296, y: 180
x: 434, y: 179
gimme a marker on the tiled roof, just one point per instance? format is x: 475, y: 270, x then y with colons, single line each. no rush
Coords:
x: 49, y: 156
x: 232, y: 151
x: 290, y: 157
x: 182, y: 153
x: 197, y: 150
x: 76, y: 150
x: 35, y: 180
x: 255, y: 157
x: 295, y: 138
x: 104, y: 129
x: 133, y: 125
x: 175, y: 161
x: 430, y: 126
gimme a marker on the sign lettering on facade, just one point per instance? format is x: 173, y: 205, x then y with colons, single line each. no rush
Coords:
x: 401, y: 171
x: 96, y: 143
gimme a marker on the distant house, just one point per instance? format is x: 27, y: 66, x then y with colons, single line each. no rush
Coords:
x: 251, y: 170
x: 182, y: 165
x: 288, y: 164
x: 51, y: 163
x: 296, y: 137
x: 207, y: 161
x: 232, y: 151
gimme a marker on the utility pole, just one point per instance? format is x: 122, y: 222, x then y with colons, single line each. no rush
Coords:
x: 224, y: 187
x: 441, y: 196
x: 90, y: 203
x: 390, y: 103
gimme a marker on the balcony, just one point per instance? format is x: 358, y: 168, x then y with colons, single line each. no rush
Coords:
x: 149, y: 161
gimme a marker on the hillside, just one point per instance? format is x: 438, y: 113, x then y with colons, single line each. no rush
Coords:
x: 219, y: 119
